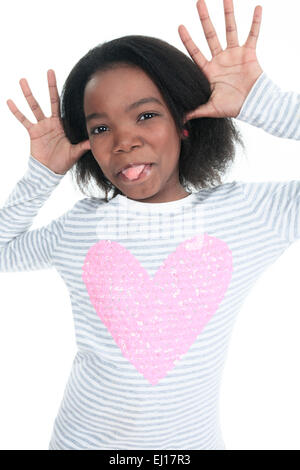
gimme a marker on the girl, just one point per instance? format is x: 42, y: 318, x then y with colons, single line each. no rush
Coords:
x: 156, y: 273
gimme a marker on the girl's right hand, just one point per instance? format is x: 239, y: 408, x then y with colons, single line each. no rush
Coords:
x: 48, y: 142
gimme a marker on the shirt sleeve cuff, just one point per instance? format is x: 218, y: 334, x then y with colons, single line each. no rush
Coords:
x: 261, y: 94
x: 38, y: 172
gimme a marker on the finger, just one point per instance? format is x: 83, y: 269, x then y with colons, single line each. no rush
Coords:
x: 54, y: 96
x: 191, y: 47
x: 17, y: 113
x: 255, y: 28
x: 34, y: 106
x: 209, y: 30
x: 231, y: 29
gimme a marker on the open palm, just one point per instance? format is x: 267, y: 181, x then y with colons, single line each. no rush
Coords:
x: 231, y: 72
x: 48, y: 142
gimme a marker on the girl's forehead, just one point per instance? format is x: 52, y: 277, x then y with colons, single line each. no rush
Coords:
x: 121, y: 77
x: 122, y: 82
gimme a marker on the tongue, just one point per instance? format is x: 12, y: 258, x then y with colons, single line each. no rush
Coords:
x: 133, y: 172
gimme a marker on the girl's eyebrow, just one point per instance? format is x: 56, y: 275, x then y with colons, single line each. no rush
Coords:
x: 149, y: 99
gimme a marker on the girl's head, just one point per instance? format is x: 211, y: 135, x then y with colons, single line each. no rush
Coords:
x: 128, y: 122
x: 100, y: 103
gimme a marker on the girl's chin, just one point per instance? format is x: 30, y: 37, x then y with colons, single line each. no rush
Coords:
x: 139, y: 195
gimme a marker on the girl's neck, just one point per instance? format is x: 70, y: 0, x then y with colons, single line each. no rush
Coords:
x: 181, y: 195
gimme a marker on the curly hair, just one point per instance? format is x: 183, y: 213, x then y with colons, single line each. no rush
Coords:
x: 210, y: 147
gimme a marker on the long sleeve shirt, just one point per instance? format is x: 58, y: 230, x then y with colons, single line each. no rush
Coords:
x: 155, y: 291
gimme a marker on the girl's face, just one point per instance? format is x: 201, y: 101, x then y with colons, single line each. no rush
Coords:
x: 122, y: 131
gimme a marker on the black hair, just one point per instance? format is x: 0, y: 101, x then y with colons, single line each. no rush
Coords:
x: 210, y: 146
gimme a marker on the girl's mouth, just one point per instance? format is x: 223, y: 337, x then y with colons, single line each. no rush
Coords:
x: 136, y: 174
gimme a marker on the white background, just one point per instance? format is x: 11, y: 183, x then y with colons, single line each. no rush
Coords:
x: 261, y: 381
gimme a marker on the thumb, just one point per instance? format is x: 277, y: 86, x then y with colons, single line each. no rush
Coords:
x: 205, y: 110
x: 80, y: 148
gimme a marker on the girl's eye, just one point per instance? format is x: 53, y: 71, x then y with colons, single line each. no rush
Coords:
x: 99, y: 127
x: 93, y: 130
x: 149, y: 114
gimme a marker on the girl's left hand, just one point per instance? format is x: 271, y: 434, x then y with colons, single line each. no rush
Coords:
x: 231, y: 72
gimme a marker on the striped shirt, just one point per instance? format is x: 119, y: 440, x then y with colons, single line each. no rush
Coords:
x: 155, y: 290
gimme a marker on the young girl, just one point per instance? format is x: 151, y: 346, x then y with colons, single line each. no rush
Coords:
x: 157, y: 273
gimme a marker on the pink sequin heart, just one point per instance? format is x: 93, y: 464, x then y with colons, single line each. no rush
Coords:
x: 155, y: 321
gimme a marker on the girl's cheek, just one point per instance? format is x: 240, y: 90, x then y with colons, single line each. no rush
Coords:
x: 95, y: 147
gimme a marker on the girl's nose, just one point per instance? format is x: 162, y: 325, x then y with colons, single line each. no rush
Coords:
x: 126, y: 141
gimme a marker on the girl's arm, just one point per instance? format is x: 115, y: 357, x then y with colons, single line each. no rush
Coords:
x: 20, y: 249
x: 274, y: 110
x: 51, y: 156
